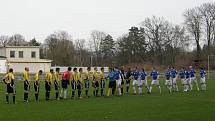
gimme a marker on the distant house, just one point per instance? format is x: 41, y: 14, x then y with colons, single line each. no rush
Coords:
x: 19, y: 57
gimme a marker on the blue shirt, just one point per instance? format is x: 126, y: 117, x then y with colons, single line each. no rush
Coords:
x: 202, y: 73
x: 192, y: 73
x: 187, y: 74
x: 167, y: 75
x: 154, y: 75
x: 173, y: 73
x: 182, y: 74
x: 143, y: 75
x: 117, y: 75
x: 111, y: 76
x: 136, y: 75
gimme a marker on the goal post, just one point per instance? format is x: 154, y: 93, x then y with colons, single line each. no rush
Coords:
x: 209, y: 65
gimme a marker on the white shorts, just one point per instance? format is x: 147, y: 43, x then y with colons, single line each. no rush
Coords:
x: 202, y: 80
x: 186, y: 81
x: 168, y: 83
x: 174, y: 81
x: 183, y: 81
x: 135, y: 82
x: 145, y: 82
x: 155, y: 82
x: 192, y: 80
x: 118, y: 82
x: 141, y: 82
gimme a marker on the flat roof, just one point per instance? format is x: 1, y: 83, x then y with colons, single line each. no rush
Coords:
x: 19, y: 46
x: 30, y: 61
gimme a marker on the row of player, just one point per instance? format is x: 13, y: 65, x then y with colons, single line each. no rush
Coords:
x: 118, y: 79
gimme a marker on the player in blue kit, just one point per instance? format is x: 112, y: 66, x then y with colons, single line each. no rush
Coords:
x: 187, y: 81
x: 118, y: 77
x: 112, y: 82
x: 193, y: 79
x: 135, y: 75
x: 202, y: 79
x: 168, y: 82
x: 182, y: 75
x: 155, y: 82
x: 174, y: 79
x: 142, y: 80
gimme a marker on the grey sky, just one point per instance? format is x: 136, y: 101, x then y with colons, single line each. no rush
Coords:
x: 39, y: 18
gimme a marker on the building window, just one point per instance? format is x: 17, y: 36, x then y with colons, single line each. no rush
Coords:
x: 33, y: 54
x: 20, y: 54
x: 12, y: 54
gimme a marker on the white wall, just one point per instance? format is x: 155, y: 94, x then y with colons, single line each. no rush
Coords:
x: 34, y: 67
x: 2, y: 51
x: 26, y: 53
x: 3, y: 66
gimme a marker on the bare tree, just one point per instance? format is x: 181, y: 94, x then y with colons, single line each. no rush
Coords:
x: 79, y: 47
x: 207, y: 12
x: 193, y: 24
x: 4, y: 40
x: 96, y: 38
x: 17, y: 40
x: 157, y: 31
x: 60, y: 48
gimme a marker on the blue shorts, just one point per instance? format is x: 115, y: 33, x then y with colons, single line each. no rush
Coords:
x: 87, y: 84
x: 73, y: 85
x: 47, y: 86
x: 10, y: 88
x: 64, y: 84
x: 36, y: 87
x: 26, y: 85
x: 56, y: 85
x: 112, y: 84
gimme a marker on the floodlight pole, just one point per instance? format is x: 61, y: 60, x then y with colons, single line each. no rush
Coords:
x: 209, y: 65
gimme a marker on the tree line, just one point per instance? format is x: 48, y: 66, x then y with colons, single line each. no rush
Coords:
x: 155, y: 41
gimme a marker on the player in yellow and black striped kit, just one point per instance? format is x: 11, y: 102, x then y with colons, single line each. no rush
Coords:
x: 87, y: 81
x: 96, y: 78
x: 57, y: 83
x: 37, y: 84
x: 48, y: 83
x: 74, y: 82
x: 80, y: 82
x: 102, y: 82
x: 26, y: 78
x: 9, y: 81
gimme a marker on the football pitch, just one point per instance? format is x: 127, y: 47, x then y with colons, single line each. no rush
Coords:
x: 193, y: 106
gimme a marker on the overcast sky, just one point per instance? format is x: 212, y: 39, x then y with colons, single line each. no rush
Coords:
x: 39, y: 18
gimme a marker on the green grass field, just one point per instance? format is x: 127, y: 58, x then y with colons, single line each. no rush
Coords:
x: 194, y: 106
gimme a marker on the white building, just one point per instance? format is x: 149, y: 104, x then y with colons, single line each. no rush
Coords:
x: 19, y: 57
x: 3, y: 64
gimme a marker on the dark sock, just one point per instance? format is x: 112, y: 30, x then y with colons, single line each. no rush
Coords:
x: 25, y: 96
x: 122, y: 90
x: 101, y: 92
x: 36, y: 97
x: 14, y: 99
x: 79, y: 93
x: 127, y: 89
x: 94, y: 93
x: 97, y: 91
x: 73, y: 93
x: 47, y: 95
x: 113, y: 91
x: 86, y: 92
x: 56, y: 95
x: 7, y: 99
